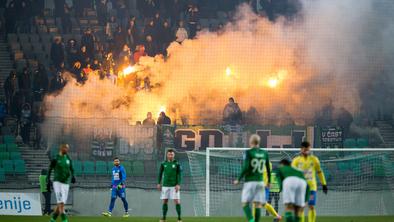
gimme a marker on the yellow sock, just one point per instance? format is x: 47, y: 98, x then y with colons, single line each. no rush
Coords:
x: 312, y: 215
x: 271, y: 210
x: 302, y: 216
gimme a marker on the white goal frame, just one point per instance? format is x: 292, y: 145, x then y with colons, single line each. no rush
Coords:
x: 209, y: 149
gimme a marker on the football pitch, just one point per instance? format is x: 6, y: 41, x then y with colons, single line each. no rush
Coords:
x: 187, y: 219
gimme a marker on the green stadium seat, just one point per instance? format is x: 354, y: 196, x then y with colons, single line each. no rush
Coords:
x: 362, y: 143
x: 77, y: 165
x: 4, y: 156
x: 350, y: 143
x: 15, y: 156
x: 20, y: 167
x: 138, y: 168
x: 127, y: 166
x: 88, y: 168
x: 9, y: 139
x: 110, y: 164
x: 3, y: 148
x: 12, y: 147
x: 101, y: 168
x: 8, y: 166
x: 2, y: 175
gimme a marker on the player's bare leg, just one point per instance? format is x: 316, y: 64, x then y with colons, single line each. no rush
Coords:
x: 178, y: 209
x: 165, y: 210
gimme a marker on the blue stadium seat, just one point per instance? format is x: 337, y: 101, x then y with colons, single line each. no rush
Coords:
x: 8, y: 166
x: 20, y: 167
x: 88, y: 168
x: 101, y: 168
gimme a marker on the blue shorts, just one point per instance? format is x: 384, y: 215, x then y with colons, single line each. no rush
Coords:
x: 312, y: 198
x: 118, y: 193
x: 267, y: 194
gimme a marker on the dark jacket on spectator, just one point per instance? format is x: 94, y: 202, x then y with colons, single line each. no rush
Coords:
x: 163, y: 119
x: 57, y: 53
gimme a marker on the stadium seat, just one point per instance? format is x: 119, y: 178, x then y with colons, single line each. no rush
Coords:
x: 88, y: 168
x: 9, y: 139
x: 15, y: 156
x: 362, y: 143
x: 2, y: 175
x: 3, y: 147
x: 350, y: 143
x: 127, y: 166
x: 8, y: 166
x: 12, y: 147
x: 138, y: 168
x: 101, y: 168
x: 4, y: 156
x: 20, y: 167
x: 77, y: 165
x: 110, y: 164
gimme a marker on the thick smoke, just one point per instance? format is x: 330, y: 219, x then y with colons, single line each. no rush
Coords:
x: 333, y: 50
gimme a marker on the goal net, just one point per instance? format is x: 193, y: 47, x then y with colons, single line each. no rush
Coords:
x: 360, y: 181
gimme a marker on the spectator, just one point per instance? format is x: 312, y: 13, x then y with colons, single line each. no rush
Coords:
x: 3, y: 111
x: 140, y: 52
x: 109, y: 63
x: 150, y: 29
x: 46, y: 191
x: 10, y: 88
x: 101, y: 7
x: 40, y: 83
x: 66, y: 20
x: 72, y: 52
x: 110, y: 29
x: 150, y: 7
x: 163, y: 119
x: 192, y: 19
x: 83, y: 57
x: 86, y: 72
x: 57, y: 83
x: 126, y: 52
x: 77, y: 71
x: 25, y: 122
x: 174, y: 8
x: 57, y: 52
x: 24, y: 82
x: 23, y: 16
x: 96, y: 66
x: 122, y: 13
x: 232, y: 114
x: 132, y: 34
x: 150, y: 46
x: 11, y: 16
x: 119, y: 39
x: 166, y: 36
x: 181, y: 33
x: 149, y: 121
x: 88, y: 40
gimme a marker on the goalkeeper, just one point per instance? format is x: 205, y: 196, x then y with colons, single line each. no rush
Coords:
x: 118, y: 188
x: 295, y: 190
x: 310, y: 165
x: 64, y: 173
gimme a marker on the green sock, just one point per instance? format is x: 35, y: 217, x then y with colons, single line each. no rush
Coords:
x: 248, y: 212
x: 64, y: 217
x: 289, y: 217
x: 297, y: 218
x: 165, y: 209
x: 257, y: 214
x: 55, y: 215
x: 178, y: 211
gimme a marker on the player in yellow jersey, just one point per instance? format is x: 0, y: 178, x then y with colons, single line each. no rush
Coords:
x: 310, y: 165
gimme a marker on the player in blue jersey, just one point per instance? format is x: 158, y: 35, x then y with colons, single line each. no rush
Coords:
x: 118, y: 188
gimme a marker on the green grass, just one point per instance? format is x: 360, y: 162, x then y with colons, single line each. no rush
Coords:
x: 189, y: 219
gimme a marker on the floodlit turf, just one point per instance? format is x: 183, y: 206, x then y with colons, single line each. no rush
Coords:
x: 192, y: 219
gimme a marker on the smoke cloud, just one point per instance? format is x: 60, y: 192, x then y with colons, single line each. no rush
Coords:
x: 285, y: 70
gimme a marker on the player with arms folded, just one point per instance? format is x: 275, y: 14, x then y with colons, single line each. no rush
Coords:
x: 295, y: 190
x: 168, y: 183
x: 64, y: 174
x: 310, y: 165
x: 253, y: 189
x: 118, y: 188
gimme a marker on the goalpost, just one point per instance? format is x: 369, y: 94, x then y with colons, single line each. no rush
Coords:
x: 360, y: 181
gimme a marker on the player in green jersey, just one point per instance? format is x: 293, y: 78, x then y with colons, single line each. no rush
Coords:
x: 64, y: 174
x: 295, y: 190
x: 255, y: 160
x: 168, y: 183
